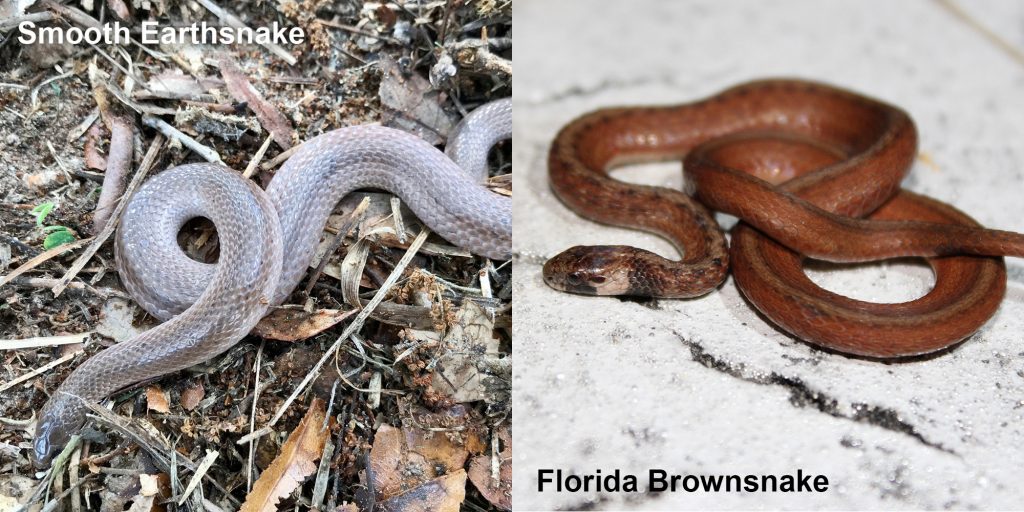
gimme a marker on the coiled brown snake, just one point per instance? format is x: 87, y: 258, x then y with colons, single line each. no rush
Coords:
x: 267, y: 241
x: 799, y: 163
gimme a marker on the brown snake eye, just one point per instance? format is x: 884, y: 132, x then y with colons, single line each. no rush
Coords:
x: 597, y: 279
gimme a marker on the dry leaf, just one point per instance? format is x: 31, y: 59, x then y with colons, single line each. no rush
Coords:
x: 192, y: 395
x: 403, y: 459
x: 116, y: 320
x: 296, y: 461
x: 144, y: 504
x: 415, y: 103
x: 156, y: 400
x: 154, y: 491
x: 269, y: 115
x: 498, y: 493
x: 442, y: 494
x: 468, y: 344
x: 14, y: 491
x: 296, y: 324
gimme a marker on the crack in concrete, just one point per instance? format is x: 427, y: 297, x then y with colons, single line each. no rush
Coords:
x: 584, y: 91
x: 803, y: 396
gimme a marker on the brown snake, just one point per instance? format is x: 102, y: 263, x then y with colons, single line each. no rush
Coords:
x: 800, y: 163
x: 267, y: 241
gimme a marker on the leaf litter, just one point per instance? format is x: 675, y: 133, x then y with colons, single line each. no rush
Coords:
x: 432, y: 363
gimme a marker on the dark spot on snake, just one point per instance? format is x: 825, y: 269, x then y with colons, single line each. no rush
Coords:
x: 584, y: 289
x: 574, y: 279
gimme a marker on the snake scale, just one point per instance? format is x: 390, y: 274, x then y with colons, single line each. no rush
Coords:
x: 267, y: 241
x: 812, y: 171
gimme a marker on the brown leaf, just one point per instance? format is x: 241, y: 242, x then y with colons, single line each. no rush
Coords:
x: 414, y: 104
x: 407, y: 458
x: 296, y: 461
x: 467, y: 344
x: 192, y: 395
x: 156, y: 400
x: 242, y: 90
x: 498, y: 493
x: 442, y: 494
x: 295, y: 324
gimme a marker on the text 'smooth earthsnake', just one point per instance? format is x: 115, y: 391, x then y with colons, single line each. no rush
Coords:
x: 800, y: 163
x: 267, y: 241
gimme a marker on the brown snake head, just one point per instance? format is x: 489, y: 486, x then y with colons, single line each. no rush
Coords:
x: 589, y: 270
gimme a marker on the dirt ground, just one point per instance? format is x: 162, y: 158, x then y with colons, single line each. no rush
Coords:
x: 402, y: 435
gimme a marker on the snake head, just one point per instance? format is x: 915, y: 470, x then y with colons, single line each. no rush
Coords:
x: 589, y: 270
x: 53, y: 431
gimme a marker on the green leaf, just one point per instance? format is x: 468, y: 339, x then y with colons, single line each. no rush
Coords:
x: 58, y: 237
x: 41, y: 212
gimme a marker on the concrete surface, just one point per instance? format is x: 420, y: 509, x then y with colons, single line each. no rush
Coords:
x: 706, y: 386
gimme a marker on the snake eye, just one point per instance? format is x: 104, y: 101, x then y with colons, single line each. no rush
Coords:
x: 575, y: 278
x: 597, y: 279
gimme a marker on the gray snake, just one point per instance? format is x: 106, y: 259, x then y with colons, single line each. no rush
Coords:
x: 267, y: 241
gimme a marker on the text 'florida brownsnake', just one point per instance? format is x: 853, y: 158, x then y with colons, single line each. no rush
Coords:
x: 267, y: 241
x: 812, y: 171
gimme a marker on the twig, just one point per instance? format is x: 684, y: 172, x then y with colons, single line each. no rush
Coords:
x: 79, y: 264
x: 48, y: 282
x: 75, y: 479
x: 119, y: 159
x: 207, y: 153
x: 33, y: 17
x: 35, y: 92
x: 84, y: 126
x: 45, y: 341
x: 252, y: 418
x: 231, y: 20
x: 257, y: 158
x: 142, y: 108
x: 211, y: 456
x: 284, y: 155
x: 355, y: 325
x: 146, y: 442
x: 358, y: 31
x: 39, y: 371
x: 396, y: 216
x: 353, y: 218
x: 1012, y: 51
x: 42, y: 258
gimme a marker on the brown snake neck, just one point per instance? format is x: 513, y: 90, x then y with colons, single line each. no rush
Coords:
x: 812, y: 171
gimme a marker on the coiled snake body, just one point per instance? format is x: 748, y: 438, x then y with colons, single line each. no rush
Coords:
x: 800, y: 163
x: 267, y: 241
